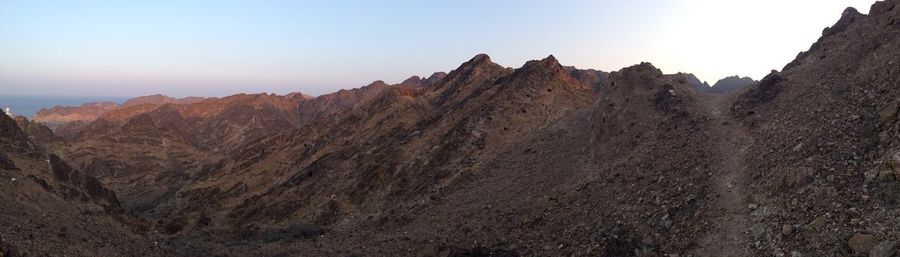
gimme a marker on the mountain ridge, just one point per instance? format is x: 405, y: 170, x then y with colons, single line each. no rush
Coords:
x: 487, y: 160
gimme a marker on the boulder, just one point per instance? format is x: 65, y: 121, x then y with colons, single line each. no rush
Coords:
x: 787, y: 229
x: 862, y: 243
x: 884, y: 249
x: 888, y: 114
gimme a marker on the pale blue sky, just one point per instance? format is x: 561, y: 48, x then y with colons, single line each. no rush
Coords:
x: 216, y: 48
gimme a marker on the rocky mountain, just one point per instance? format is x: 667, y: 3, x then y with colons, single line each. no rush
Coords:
x: 329, y: 104
x: 161, y: 99
x: 592, y: 77
x: 691, y: 79
x: 723, y: 86
x: 487, y: 160
x: 146, y: 152
x: 85, y: 112
x: 731, y: 84
x: 51, y: 209
x: 67, y: 119
x: 823, y: 154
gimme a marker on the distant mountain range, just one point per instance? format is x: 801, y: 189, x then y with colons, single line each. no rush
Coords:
x: 723, y: 86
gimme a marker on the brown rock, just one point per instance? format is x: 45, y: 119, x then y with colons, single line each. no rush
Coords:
x: 787, y: 229
x: 888, y: 114
x: 817, y: 222
x: 884, y: 249
x: 862, y: 243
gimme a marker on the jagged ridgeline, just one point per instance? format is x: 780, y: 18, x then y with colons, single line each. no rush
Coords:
x: 484, y: 160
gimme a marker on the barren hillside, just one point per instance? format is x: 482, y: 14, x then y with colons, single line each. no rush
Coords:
x: 485, y: 160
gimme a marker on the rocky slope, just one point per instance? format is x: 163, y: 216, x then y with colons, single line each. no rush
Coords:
x: 51, y: 209
x: 823, y: 156
x: 594, y: 78
x: 37, y: 132
x: 146, y: 152
x: 326, y: 105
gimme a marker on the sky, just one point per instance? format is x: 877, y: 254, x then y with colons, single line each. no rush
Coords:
x: 218, y: 48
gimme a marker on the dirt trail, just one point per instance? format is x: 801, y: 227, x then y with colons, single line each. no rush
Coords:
x: 729, y: 213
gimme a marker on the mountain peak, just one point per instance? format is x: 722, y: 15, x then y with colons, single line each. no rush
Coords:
x: 479, y: 61
x: 550, y: 64
x: 643, y: 67
x: 479, y: 64
x: 850, y: 11
x: 550, y: 59
x: 435, y: 77
x: 692, y: 80
x: 731, y: 83
x: 480, y: 58
x: 849, y: 16
x: 377, y: 83
x: 412, y: 81
x: 299, y: 95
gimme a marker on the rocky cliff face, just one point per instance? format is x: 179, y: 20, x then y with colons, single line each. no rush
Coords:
x: 12, y: 139
x: 36, y: 132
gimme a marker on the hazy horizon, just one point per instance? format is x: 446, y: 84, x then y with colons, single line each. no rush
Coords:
x: 219, y: 48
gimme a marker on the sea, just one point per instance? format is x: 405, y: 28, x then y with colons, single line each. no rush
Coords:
x: 27, y: 105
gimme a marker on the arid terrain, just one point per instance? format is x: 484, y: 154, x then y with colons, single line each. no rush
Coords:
x: 483, y: 160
